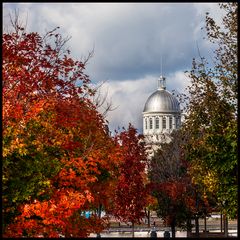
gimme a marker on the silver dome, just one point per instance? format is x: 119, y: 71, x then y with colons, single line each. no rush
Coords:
x: 162, y: 101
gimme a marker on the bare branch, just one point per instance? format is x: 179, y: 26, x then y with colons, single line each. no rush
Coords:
x: 101, y: 101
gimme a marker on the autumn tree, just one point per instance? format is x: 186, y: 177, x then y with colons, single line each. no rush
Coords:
x: 130, y: 193
x: 56, y: 149
x: 171, y: 184
x: 212, y: 114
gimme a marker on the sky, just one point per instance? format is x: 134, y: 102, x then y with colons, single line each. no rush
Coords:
x: 134, y: 43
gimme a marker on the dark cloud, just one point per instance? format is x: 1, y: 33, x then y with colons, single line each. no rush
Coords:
x: 134, y: 44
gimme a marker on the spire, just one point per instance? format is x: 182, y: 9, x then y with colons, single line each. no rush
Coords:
x: 161, y: 66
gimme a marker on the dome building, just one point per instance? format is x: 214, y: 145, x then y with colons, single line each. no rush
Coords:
x: 161, y: 114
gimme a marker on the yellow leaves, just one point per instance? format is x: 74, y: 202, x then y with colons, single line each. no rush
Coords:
x: 47, y: 183
x: 204, y: 177
x: 17, y: 145
x: 195, y: 171
x: 23, y: 151
x: 57, y: 142
x: 6, y: 151
x: 210, y: 181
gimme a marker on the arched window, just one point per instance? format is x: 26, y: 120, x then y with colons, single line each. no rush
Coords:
x: 170, y: 122
x: 145, y: 123
x: 150, y: 123
x: 164, y: 125
x: 157, y: 123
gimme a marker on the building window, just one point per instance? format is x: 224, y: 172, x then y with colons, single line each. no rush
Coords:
x: 164, y: 123
x: 145, y: 123
x: 170, y: 122
x: 157, y: 123
x: 150, y: 123
x: 178, y: 123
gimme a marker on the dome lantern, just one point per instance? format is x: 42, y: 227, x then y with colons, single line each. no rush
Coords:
x: 161, y: 83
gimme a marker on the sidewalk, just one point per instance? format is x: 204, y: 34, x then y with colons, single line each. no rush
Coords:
x: 160, y: 234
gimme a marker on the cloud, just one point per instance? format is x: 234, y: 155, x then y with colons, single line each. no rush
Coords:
x: 130, y: 96
x: 129, y: 40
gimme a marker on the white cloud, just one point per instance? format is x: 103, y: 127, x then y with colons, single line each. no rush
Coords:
x: 129, y: 97
x: 215, y: 12
x: 129, y: 40
x: 178, y: 81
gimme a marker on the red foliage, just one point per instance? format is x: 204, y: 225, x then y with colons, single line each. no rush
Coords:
x: 44, y: 87
x: 130, y: 194
x: 38, y: 82
x: 33, y: 70
x: 174, y: 189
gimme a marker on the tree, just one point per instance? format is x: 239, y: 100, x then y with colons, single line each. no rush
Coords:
x: 130, y: 193
x: 211, y: 120
x: 26, y: 58
x: 55, y: 144
x: 172, y: 186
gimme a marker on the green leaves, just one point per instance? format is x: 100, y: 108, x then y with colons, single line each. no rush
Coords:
x: 212, y: 121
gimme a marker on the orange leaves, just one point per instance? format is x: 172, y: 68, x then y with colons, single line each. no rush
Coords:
x: 56, y: 148
x: 36, y: 107
x: 88, y: 196
x: 78, y: 173
x: 50, y: 217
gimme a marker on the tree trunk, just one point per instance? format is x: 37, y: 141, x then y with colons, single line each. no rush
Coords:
x: 205, y: 225
x: 197, y: 226
x: 99, y: 211
x: 147, y: 213
x: 133, y: 229
x: 189, y: 227
x: 99, y: 216
x: 221, y: 218
x: 148, y: 217
x: 173, y: 229
x: 225, y: 225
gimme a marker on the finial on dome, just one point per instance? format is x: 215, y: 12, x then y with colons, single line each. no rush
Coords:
x: 161, y: 83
